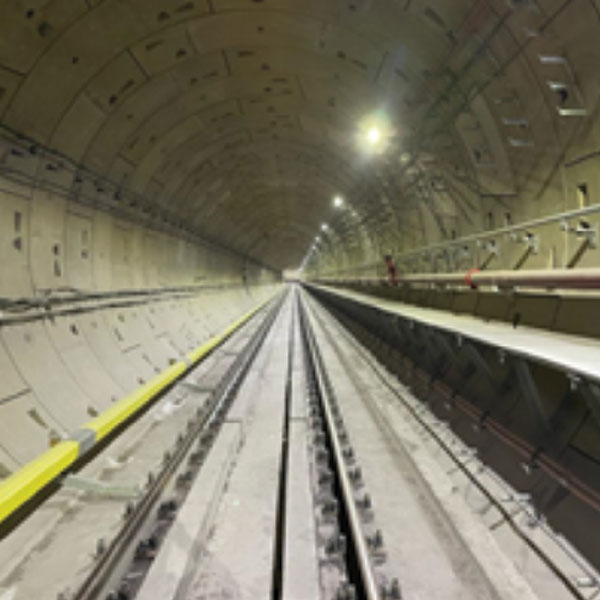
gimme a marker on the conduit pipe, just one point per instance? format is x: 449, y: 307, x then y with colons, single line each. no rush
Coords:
x: 566, y: 279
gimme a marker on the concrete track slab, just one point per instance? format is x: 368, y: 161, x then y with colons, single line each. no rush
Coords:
x: 176, y: 562
x: 301, y: 565
x: 238, y: 559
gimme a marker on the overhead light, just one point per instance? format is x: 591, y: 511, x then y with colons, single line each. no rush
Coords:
x: 338, y: 202
x: 374, y: 133
x: 373, y: 136
x: 324, y: 226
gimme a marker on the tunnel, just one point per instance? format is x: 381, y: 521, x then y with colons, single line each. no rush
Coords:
x: 299, y: 299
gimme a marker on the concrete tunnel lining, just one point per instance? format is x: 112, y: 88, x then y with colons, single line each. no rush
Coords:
x: 163, y: 163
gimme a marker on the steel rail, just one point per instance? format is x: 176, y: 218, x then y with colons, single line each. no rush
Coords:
x: 99, y: 578
x: 370, y: 587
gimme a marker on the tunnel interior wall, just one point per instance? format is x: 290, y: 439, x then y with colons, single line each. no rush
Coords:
x: 93, y: 306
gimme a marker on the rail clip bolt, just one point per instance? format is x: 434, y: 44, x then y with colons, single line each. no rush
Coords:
x: 325, y: 477
x: 348, y: 454
x: 124, y: 592
x: 319, y: 438
x: 346, y: 591
x: 129, y: 508
x: 183, y: 479
x: 355, y: 475
x: 100, y: 547
x: 146, y: 548
x: 329, y: 508
x: 365, y: 502
x: 167, y: 509
x: 391, y: 590
x: 376, y: 540
x: 336, y: 545
x: 322, y: 455
x: 196, y: 457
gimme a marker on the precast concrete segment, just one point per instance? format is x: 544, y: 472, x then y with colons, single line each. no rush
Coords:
x: 300, y: 559
x: 238, y: 558
x: 299, y: 404
x: 568, y: 353
x: 185, y: 542
x: 430, y: 558
x: 301, y: 563
x: 128, y: 406
x: 20, y: 487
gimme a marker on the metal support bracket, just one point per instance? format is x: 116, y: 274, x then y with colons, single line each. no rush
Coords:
x: 531, y: 393
x: 591, y: 393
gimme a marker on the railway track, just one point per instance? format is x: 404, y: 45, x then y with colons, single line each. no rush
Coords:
x: 354, y: 539
x: 122, y: 564
x: 303, y: 478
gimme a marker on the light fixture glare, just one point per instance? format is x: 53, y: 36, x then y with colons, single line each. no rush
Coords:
x: 373, y: 135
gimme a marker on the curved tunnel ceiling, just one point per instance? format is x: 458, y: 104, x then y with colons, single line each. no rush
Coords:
x: 241, y: 116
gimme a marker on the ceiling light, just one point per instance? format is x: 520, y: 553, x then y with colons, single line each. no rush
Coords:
x: 373, y: 136
x: 324, y: 226
x: 338, y: 202
x: 374, y: 133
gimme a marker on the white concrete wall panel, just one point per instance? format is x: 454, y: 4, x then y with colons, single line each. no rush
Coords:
x: 59, y: 370
x: 46, y: 373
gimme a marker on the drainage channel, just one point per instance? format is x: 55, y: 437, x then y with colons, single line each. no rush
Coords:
x: 352, y: 548
x: 123, y: 563
x: 279, y: 547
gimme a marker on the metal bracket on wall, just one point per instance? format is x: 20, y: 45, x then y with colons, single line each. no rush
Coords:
x: 591, y: 393
x: 442, y: 348
x: 588, y: 236
x: 532, y: 244
x: 531, y: 393
x: 493, y: 251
